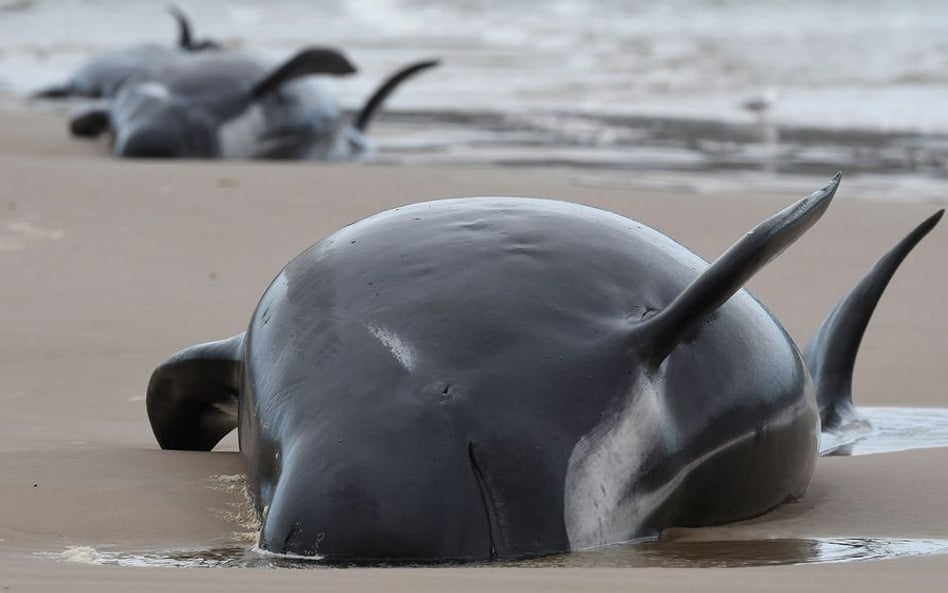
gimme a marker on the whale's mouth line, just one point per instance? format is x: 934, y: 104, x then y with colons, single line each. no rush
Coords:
x: 485, y: 496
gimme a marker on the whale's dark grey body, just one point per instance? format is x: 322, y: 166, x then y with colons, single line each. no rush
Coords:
x: 229, y: 104
x: 502, y: 377
x: 104, y: 75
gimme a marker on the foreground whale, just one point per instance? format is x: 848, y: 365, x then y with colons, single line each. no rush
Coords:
x: 504, y: 377
x: 104, y: 75
x: 230, y: 105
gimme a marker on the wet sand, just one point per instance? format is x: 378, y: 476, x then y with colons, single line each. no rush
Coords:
x: 110, y: 266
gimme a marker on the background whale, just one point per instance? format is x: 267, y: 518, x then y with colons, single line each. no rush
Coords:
x: 231, y: 105
x: 104, y: 75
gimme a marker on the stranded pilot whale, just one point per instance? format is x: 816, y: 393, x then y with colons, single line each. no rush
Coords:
x: 104, y: 75
x: 230, y: 105
x: 483, y: 378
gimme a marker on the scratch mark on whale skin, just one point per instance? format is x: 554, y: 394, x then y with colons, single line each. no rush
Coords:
x: 401, y: 350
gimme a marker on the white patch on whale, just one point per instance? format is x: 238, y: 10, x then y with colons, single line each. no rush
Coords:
x: 239, y: 137
x: 153, y: 90
x: 402, y: 352
x: 603, y: 504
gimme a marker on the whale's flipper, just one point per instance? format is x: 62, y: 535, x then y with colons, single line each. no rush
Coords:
x: 660, y: 333
x: 361, y: 121
x: 90, y: 123
x: 312, y: 60
x: 192, y: 396
x: 831, y: 353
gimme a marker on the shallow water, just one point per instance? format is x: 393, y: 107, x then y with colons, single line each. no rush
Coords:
x: 742, y: 553
x: 900, y: 429
x: 893, y: 429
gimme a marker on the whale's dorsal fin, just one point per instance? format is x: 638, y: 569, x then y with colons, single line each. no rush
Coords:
x: 184, y: 26
x: 831, y: 353
x: 372, y: 105
x: 186, y: 40
x: 312, y: 60
x: 659, y: 334
x: 192, y: 396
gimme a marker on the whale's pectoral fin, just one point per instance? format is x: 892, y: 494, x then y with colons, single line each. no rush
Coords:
x: 192, y: 397
x: 831, y: 353
x: 312, y: 60
x: 658, y: 335
x: 91, y: 123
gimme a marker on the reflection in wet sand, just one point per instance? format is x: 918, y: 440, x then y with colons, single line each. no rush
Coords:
x: 650, y: 554
x: 706, y: 554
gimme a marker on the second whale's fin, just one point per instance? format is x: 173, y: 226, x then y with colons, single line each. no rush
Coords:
x: 659, y: 334
x: 185, y: 38
x: 831, y: 352
x: 372, y: 105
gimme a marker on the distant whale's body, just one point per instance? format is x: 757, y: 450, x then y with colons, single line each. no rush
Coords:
x: 103, y: 75
x: 503, y: 377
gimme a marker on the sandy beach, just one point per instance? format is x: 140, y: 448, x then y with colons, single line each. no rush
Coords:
x: 108, y: 267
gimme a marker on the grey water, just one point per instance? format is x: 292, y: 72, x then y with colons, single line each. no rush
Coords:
x: 608, y: 90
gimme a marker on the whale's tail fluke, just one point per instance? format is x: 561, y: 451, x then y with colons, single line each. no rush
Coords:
x: 361, y: 122
x: 660, y: 333
x: 831, y: 353
x: 192, y: 397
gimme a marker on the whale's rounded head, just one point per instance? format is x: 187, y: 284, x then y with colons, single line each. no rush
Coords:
x: 150, y: 122
x: 416, y: 383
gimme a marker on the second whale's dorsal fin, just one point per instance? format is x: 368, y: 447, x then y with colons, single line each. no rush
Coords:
x: 831, y: 353
x: 658, y: 335
x: 184, y: 26
x: 186, y: 40
x: 372, y: 105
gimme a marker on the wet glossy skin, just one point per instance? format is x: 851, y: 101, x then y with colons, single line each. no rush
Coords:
x: 446, y: 381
